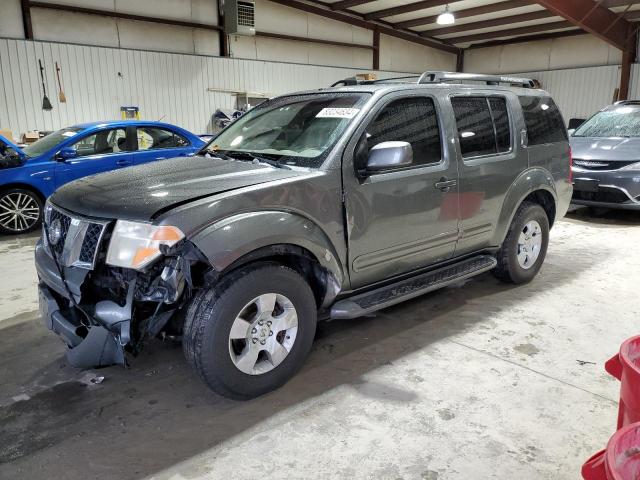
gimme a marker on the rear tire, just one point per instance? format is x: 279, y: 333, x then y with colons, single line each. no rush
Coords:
x: 20, y: 211
x: 525, y: 246
x: 235, y: 335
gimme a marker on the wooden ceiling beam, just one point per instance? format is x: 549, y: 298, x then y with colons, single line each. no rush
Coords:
x: 408, y: 8
x: 344, y: 4
x: 595, y: 19
x: 511, y: 32
x: 467, y: 12
x: 495, y: 22
x: 359, y: 22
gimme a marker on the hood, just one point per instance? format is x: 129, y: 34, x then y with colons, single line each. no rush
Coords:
x: 9, y: 161
x: 143, y: 192
x: 610, y: 149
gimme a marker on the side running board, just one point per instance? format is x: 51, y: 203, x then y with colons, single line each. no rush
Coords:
x: 388, y: 295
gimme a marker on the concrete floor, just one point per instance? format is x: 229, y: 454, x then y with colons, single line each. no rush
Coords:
x: 478, y: 381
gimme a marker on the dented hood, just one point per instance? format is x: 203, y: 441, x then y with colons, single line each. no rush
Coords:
x: 142, y: 192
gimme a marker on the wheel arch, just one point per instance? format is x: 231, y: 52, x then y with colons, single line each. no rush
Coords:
x: 536, y: 185
x: 285, y: 237
x: 8, y: 186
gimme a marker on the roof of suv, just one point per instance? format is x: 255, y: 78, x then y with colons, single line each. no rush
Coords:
x: 392, y: 87
x: 456, y: 81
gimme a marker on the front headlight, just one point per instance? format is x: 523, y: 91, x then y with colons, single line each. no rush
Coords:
x: 633, y: 166
x: 136, y: 245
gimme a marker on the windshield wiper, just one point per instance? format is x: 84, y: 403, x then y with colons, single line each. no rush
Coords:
x: 241, y: 155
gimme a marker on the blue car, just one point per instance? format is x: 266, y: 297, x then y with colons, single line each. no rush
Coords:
x: 29, y: 175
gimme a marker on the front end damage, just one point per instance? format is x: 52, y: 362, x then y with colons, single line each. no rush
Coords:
x: 105, y: 314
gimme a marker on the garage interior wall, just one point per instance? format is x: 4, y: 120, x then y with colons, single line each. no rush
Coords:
x: 581, y: 72
x: 168, y: 87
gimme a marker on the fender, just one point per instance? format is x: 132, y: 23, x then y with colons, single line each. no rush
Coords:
x: 528, y: 181
x: 229, y: 239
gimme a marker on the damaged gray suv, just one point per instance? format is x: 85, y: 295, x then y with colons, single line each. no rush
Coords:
x: 327, y: 204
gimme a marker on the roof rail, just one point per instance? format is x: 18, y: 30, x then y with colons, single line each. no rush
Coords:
x: 441, y: 77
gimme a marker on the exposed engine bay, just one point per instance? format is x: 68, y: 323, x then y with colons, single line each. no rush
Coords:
x: 109, y: 312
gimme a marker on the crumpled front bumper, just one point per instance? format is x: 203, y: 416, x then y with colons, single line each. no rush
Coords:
x: 89, y: 343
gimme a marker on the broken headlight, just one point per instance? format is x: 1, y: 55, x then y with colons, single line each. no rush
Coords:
x: 137, y: 245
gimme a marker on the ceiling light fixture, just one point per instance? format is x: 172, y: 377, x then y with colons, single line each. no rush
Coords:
x: 446, y: 17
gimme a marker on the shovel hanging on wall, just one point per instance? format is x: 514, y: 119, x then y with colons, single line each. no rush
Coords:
x: 46, y: 103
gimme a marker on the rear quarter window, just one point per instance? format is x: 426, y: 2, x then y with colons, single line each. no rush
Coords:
x: 543, y: 120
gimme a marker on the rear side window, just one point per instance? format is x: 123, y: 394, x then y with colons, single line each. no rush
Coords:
x: 543, y: 120
x: 483, y: 125
x: 151, y: 138
x: 412, y: 120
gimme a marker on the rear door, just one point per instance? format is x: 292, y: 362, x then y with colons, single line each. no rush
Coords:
x: 547, y: 140
x: 405, y: 219
x: 489, y: 159
x: 97, y: 152
x: 155, y: 143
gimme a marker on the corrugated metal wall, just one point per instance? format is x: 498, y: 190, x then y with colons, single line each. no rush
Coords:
x: 580, y: 92
x: 171, y: 87
x: 634, y: 88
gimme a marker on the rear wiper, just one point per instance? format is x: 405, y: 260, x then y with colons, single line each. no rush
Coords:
x: 238, y: 155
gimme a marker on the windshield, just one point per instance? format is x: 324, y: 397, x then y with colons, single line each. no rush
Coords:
x: 623, y: 121
x: 47, y: 143
x: 297, y: 130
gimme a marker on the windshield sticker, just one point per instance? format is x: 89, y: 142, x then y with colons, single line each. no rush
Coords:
x: 338, y: 113
x: 69, y: 134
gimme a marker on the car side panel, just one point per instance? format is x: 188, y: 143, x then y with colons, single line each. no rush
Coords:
x: 228, y: 240
x: 37, y: 174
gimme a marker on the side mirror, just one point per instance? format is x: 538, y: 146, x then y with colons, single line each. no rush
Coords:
x: 571, y: 131
x: 388, y: 155
x: 66, y: 153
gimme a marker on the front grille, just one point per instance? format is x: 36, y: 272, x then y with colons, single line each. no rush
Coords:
x: 79, y: 240
x: 90, y: 243
x: 602, y: 164
x: 65, y: 222
x: 604, y: 195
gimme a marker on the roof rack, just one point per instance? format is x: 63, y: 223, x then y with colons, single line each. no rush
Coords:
x: 442, y: 77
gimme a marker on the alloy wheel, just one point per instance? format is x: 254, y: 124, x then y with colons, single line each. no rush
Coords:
x: 262, y: 335
x: 19, y: 211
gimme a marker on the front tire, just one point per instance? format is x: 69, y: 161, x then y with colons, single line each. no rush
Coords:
x: 252, y: 331
x: 525, y: 246
x: 20, y: 211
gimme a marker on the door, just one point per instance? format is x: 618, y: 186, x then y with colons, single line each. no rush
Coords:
x: 400, y: 220
x: 95, y: 153
x: 489, y: 160
x: 154, y: 143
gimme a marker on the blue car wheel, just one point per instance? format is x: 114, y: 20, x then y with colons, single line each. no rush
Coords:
x: 20, y: 211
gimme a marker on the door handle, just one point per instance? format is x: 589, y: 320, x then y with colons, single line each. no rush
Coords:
x: 444, y: 184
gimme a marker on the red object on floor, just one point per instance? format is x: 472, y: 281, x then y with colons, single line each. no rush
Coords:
x: 625, y: 366
x: 620, y: 460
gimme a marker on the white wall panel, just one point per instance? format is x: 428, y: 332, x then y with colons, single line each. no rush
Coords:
x: 567, y: 52
x: 168, y: 87
x: 11, y: 19
x: 634, y: 88
x: 579, y: 92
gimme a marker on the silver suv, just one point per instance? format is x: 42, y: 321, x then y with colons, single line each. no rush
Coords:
x: 327, y: 204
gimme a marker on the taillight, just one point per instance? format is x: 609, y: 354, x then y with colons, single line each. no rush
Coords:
x: 570, y: 180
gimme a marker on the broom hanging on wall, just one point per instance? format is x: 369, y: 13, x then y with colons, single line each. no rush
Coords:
x: 61, y: 95
x: 46, y: 103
